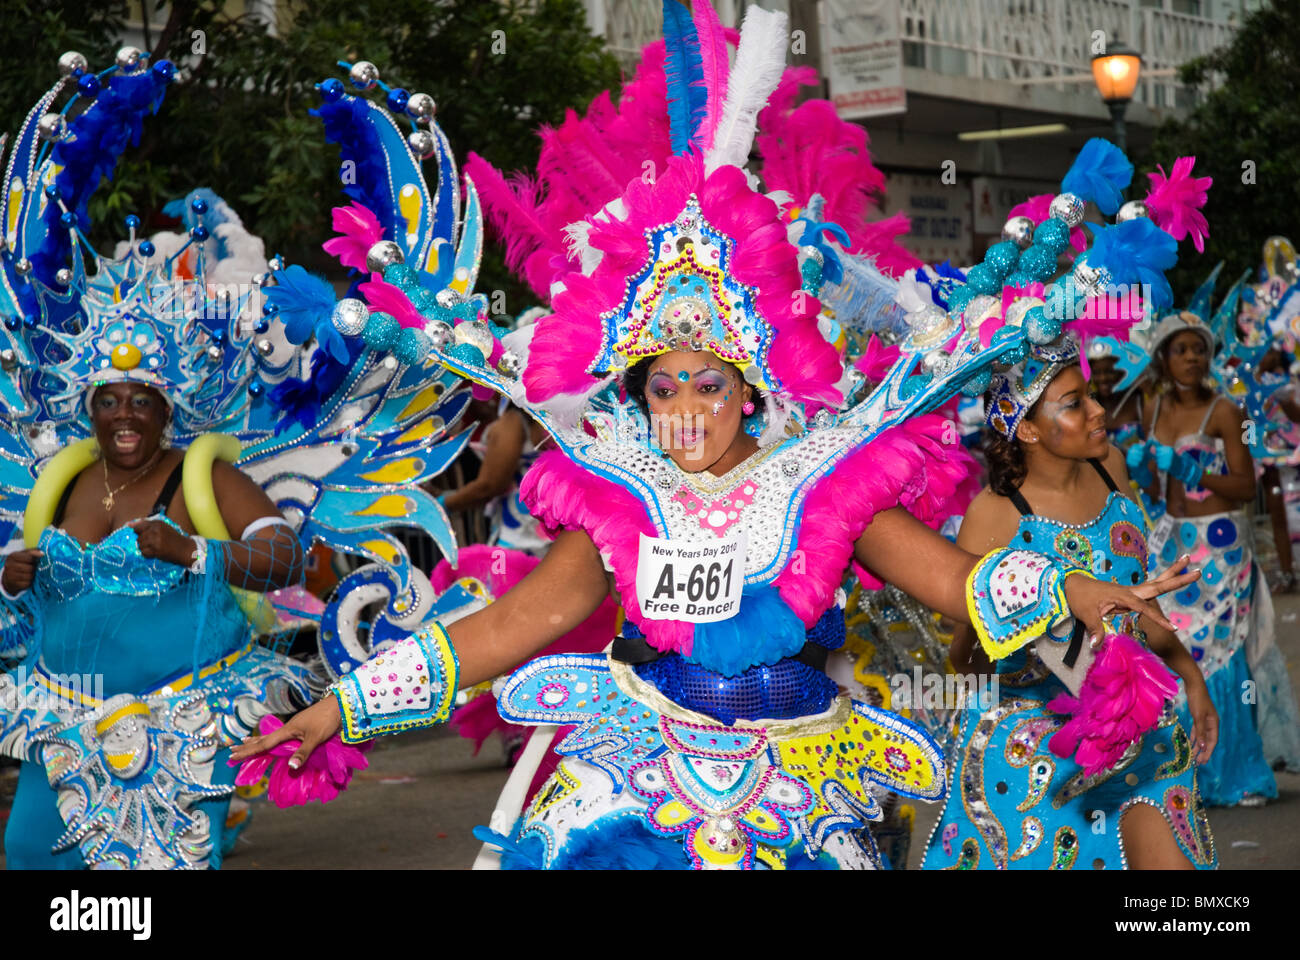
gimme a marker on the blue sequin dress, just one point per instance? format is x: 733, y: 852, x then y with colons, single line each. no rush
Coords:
x: 123, y: 751
x: 1012, y: 803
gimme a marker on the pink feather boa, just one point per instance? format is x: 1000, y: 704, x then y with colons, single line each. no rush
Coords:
x: 327, y: 772
x: 1175, y: 202
x: 1122, y: 697
x: 909, y: 465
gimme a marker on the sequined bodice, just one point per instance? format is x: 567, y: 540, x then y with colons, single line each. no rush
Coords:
x: 114, y: 565
x: 761, y: 497
x: 1111, y: 547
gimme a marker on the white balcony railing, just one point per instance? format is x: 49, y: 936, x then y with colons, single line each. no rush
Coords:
x: 1022, y: 39
x: 1010, y: 40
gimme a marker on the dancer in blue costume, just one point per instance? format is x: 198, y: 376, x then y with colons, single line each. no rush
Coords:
x: 136, y: 599
x: 1205, y: 473
x: 710, y: 445
x: 1055, y: 485
x: 121, y: 589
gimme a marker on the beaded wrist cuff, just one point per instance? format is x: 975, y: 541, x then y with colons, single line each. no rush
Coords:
x: 411, y: 684
x: 1013, y: 597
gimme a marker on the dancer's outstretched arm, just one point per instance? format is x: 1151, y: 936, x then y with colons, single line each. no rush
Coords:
x: 900, y: 549
x: 561, y: 592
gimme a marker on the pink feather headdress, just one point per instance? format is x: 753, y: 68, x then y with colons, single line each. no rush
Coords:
x: 683, y: 127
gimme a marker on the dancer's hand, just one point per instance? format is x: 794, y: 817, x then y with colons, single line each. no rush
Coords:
x: 312, y: 726
x: 161, y: 541
x: 1093, y: 600
x: 1205, y: 722
x: 20, y: 570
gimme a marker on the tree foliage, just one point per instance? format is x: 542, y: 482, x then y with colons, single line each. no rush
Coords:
x: 237, y: 119
x: 1246, y: 135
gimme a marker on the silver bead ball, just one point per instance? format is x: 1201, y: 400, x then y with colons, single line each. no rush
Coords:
x: 258, y: 279
x: 22, y: 267
x: 1017, y: 310
x: 383, y: 255
x: 510, y: 364
x: 935, y: 362
x: 476, y: 334
x: 422, y: 144
x: 420, y: 106
x: 51, y: 127
x: 439, y: 333
x: 8, y: 359
x: 1087, y: 277
x: 63, y: 277
x: 350, y: 316
x: 1131, y: 211
x: 265, y: 347
x: 980, y: 307
x: 446, y: 298
x: 1020, y: 231
x: 1067, y: 207
x: 927, y: 319
x: 753, y: 375
x: 128, y: 59
x: 70, y: 62
x: 364, y: 74
x: 275, y: 263
x: 214, y: 353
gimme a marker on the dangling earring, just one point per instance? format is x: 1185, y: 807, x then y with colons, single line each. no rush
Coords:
x: 747, y: 407
x: 168, y: 434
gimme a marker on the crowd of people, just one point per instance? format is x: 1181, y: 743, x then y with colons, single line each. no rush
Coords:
x: 729, y: 506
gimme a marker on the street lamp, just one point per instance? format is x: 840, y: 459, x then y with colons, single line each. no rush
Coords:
x: 1116, y: 74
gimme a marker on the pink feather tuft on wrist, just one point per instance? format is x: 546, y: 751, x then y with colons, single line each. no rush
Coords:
x: 1123, y: 696
x: 327, y: 771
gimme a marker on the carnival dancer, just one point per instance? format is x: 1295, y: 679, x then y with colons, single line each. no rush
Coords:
x: 729, y: 484
x: 1056, y: 483
x: 1119, y: 376
x: 138, y: 593
x: 1205, y: 473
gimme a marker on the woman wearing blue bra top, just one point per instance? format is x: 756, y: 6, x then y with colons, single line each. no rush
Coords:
x: 1196, y: 461
x: 1017, y: 798
x: 127, y: 604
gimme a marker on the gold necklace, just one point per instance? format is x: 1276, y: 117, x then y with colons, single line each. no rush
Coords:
x: 108, y: 501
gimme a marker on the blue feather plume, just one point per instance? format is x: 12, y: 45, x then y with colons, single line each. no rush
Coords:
x: 1099, y: 173
x: 349, y: 122
x: 90, y: 154
x: 1137, y: 251
x: 688, y: 97
x: 300, y: 401
x: 764, y: 630
x: 302, y: 300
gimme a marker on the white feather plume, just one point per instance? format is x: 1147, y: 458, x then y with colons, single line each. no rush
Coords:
x: 760, y: 61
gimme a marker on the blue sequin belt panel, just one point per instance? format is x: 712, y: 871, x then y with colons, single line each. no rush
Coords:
x: 783, y: 690
x: 114, y: 565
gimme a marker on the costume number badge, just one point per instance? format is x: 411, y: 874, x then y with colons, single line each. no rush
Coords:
x: 698, y: 581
